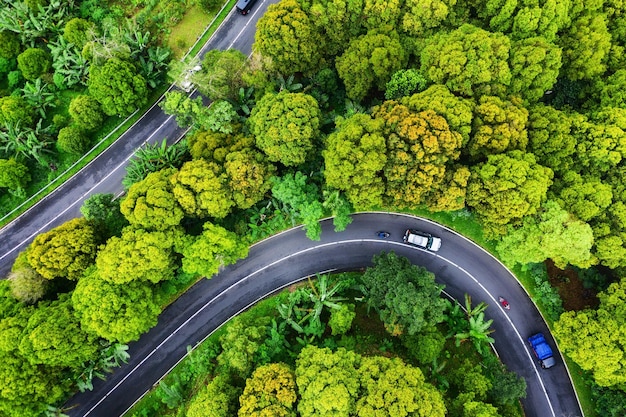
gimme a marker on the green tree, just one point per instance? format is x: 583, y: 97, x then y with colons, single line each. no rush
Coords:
x: 369, y: 62
x: 599, y: 146
x: 15, y: 109
x: 341, y: 319
x: 79, y: 31
x: 86, y: 112
x: 201, y: 189
x: 9, y: 44
x: 457, y: 111
x: 119, y: 313
x: 27, y: 285
x: 419, y: 145
x: 285, y: 126
x: 118, y: 87
x: 469, y: 61
x: 585, y: 196
x: 183, y: 108
x: 139, y: 255
x: 339, y: 21
x: 214, y: 248
x: 221, y: 73
x: 507, y: 187
x: 73, y: 140
x: 151, y: 203
x: 535, y: 65
x: 477, y: 330
x: 354, y: 156
x: 612, y: 94
x: 240, y: 343
x: 422, y: 17
x: 404, y: 83
x: 103, y: 212
x: 53, y: 337
x: 451, y: 193
x: 302, y: 197
x: 65, y: 251
x: 552, y: 233
x: 33, y: 63
x: 217, y: 399
x: 328, y: 382
x: 498, y: 126
x: 594, y: 339
x: 393, y: 388
x: 479, y: 409
x: 14, y: 176
x: 406, y: 295
x: 271, y: 390
x: 586, y: 44
x: 155, y: 157
x: 287, y: 35
x: 249, y: 174
x: 550, y: 137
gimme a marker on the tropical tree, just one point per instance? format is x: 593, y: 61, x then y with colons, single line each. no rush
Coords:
x: 217, y: 399
x: 15, y: 109
x: 478, y: 329
x: 285, y: 126
x: 14, y: 176
x: 535, y: 65
x: 270, y: 390
x: 9, y: 44
x: 302, y: 199
x: 404, y: 83
x: 220, y: 77
x: 240, y: 343
x: 216, y: 247
x: 249, y: 174
x: 65, y: 251
x: 38, y: 96
x: 27, y: 285
x: 33, y: 62
x: 370, y: 61
x: 338, y: 21
x: 117, y: 313
x: 73, y: 140
x: 586, y: 44
x: 79, y: 31
x: 406, y: 295
x: 153, y: 158
x: 117, y: 86
x: 103, y: 212
x: 469, y: 61
x: 86, y: 112
x: 26, y: 143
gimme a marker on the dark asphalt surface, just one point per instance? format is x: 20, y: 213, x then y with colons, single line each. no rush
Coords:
x: 290, y: 257
x: 278, y: 262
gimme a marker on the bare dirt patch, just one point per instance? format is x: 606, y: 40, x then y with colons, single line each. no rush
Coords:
x: 570, y: 287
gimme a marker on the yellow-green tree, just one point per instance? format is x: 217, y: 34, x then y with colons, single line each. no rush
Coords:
x: 151, y: 204
x: 117, y: 313
x: 217, y: 399
x: 586, y: 44
x: 594, y: 339
x: 140, y: 255
x: 535, y: 65
x: 287, y: 35
x: 285, y: 126
x: 369, y: 62
x: 249, y: 174
x: 338, y: 21
x: 498, y: 126
x: 214, y: 248
x: 392, y: 388
x: 118, y: 87
x: 506, y: 188
x: 65, y: 251
x: 271, y: 390
x: 201, y: 189
x: 550, y: 136
x: 328, y: 382
x: 469, y: 61
x: 451, y: 193
x: 354, y: 157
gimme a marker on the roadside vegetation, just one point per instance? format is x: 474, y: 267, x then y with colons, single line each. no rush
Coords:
x: 510, y: 117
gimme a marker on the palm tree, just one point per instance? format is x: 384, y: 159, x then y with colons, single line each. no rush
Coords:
x: 478, y: 330
x: 25, y: 143
x: 37, y: 95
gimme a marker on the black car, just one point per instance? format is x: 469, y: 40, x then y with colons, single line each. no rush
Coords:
x: 244, y: 6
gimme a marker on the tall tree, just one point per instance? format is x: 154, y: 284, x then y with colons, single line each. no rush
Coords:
x: 338, y: 21
x: 249, y: 174
x: 552, y: 233
x: 139, y: 255
x: 214, y: 248
x: 14, y: 176
x: 498, y: 126
x: 271, y: 390
x: 369, y: 62
x: 354, y: 157
x: 118, y: 87
x: 586, y: 44
x: 507, y: 187
x: 285, y: 126
x: 287, y: 35
x: 550, y: 137
x: 201, y: 189
x: 406, y: 295
x: 151, y: 203
x: 535, y: 65
x: 65, y: 251
x: 217, y: 399
x: 220, y: 77
x: 469, y: 61
x: 117, y: 313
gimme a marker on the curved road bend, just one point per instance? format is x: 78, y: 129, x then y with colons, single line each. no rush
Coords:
x: 105, y: 173
x: 289, y: 257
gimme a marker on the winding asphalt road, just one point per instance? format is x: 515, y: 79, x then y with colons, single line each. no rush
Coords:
x: 278, y: 262
x: 289, y: 257
x: 105, y: 173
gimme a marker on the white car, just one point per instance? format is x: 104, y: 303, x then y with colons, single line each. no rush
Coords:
x: 422, y: 240
x: 187, y: 84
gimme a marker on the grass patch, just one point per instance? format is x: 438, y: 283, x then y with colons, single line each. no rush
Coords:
x: 190, y: 28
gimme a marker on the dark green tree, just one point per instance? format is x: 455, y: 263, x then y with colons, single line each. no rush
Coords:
x: 33, y: 63
x: 86, y: 112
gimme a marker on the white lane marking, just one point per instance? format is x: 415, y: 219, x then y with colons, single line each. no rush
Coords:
x: 257, y: 9
x: 84, y: 194
x: 247, y: 277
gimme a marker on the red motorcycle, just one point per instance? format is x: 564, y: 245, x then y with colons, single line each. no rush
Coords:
x: 505, y: 304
